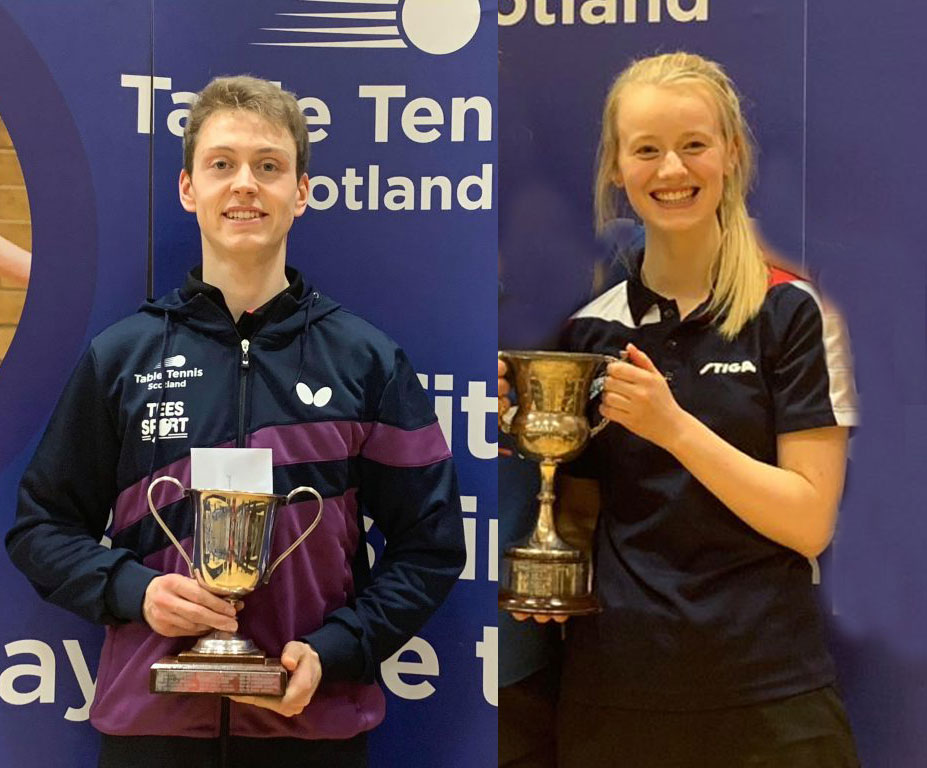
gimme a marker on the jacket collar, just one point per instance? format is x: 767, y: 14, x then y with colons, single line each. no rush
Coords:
x: 201, y: 306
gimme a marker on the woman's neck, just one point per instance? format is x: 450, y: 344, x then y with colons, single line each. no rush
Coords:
x: 677, y: 265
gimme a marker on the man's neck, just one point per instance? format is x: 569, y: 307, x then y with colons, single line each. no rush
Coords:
x: 247, y: 281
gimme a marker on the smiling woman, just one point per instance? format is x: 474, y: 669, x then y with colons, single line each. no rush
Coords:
x: 721, y: 475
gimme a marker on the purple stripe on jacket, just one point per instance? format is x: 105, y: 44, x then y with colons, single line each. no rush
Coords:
x: 397, y: 447
x: 297, y: 444
x: 312, y: 441
x: 132, y: 504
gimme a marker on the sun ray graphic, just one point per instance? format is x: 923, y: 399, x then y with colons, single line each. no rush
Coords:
x: 433, y: 26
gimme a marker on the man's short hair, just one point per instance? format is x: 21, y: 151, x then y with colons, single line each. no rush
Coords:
x: 253, y: 94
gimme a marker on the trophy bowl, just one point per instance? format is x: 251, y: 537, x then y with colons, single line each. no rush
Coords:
x: 542, y: 574
x: 232, y: 535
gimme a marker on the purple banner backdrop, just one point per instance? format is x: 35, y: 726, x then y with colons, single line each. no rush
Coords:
x: 419, y: 262
x: 829, y: 92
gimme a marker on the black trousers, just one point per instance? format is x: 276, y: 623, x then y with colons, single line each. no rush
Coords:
x: 177, y: 752
x: 810, y: 730
x: 527, y: 721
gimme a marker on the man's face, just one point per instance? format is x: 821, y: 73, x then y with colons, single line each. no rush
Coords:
x: 243, y: 189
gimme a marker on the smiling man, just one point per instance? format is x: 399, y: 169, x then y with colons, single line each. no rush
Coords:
x: 232, y: 359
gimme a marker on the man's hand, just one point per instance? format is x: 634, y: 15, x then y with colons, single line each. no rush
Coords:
x: 176, y: 606
x: 302, y: 662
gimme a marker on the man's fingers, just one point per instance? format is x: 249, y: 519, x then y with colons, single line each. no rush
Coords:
x: 201, y: 615
x: 178, y: 606
x: 193, y: 592
x: 185, y: 627
x: 265, y: 702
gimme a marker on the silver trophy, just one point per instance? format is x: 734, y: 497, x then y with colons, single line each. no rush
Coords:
x: 232, y: 534
x: 543, y: 573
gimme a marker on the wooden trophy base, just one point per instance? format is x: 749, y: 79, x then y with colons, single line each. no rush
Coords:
x: 215, y: 674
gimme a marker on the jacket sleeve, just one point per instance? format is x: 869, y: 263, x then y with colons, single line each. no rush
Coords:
x: 64, y: 502
x: 408, y: 485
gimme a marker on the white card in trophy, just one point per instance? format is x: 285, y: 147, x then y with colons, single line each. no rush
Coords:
x: 248, y: 470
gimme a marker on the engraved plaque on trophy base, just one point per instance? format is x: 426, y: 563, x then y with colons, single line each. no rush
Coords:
x: 539, y: 581
x: 188, y: 672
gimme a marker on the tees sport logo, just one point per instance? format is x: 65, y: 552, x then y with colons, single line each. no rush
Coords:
x: 164, y: 421
x: 745, y: 367
x: 437, y: 27
x: 319, y: 399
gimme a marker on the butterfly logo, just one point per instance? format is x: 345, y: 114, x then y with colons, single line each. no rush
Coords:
x: 319, y: 399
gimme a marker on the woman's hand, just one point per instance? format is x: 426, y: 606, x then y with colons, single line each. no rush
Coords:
x: 505, y: 402
x: 637, y: 397
x: 540, y: 618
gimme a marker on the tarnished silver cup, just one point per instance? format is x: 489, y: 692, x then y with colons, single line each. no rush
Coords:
x: 232, y: 536
x: 543, y: 573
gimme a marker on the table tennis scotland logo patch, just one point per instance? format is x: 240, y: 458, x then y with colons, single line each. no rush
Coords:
x: 437, y: 27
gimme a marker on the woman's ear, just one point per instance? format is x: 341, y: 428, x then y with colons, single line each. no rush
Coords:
x: 731, y: 157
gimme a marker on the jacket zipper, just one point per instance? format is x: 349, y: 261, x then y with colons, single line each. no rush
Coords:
x: 244, y: 365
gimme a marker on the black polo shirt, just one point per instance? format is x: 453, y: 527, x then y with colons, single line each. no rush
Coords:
x: 700, y: 610
x: 251, y: 320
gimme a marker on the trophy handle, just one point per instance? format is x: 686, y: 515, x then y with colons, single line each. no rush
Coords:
x: 603, y: 422
x: 303, y: 535
x: 161, y: 522
x: 505, y: 419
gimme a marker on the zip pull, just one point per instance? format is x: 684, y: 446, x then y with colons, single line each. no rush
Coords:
x: 245, y: 360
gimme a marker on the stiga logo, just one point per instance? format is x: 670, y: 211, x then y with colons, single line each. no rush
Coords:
x: 434, y: 26
x: 745, y: 367
x: 171, y: 423
x: 567, y: 12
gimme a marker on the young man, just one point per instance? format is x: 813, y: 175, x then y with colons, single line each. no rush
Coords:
x: 233, y: 359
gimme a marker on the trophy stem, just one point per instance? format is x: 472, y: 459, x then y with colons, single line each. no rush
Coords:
x: 545, y: 532
x: 222, y: 643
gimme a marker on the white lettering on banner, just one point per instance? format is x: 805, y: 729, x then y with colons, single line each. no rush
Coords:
x: 176, y: 119
x: 321, y: 116
x: 473, y: 193
x: 423, y: 119
x: 84, y: 680
x: 477, y: 406
x: 145, y: 85
x: 545, y: 12
x: 423, y: 111
x: 468, y: 507
x: 487, y: 649
x: 471, y: 527
x: 45, y: 673
x: 471, y: 538
x: 393, y: 668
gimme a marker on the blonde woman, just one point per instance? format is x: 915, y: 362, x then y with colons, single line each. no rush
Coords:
x: 722, y: 473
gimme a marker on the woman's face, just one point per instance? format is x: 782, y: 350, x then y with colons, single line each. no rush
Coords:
x: 672, y: 156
